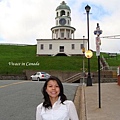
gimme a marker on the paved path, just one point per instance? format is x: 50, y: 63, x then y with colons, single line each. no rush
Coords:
x: 110, y: 102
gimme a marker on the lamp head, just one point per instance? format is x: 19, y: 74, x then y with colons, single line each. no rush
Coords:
x: 88, y: 54
x: 87, y: 8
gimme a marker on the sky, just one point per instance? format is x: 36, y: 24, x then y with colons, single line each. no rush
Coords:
x: 24, y: 21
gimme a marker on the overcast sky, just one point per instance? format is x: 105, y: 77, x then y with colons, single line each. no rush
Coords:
x: 24, y: 21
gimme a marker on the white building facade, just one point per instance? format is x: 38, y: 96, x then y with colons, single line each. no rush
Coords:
x: 63, y: 40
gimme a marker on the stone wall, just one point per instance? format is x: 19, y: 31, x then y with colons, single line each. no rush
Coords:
x: 62, y: 75
x: 105, y: 76
x: 12, y: 77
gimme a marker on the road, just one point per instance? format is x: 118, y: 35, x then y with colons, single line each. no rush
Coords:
x: 19, y: 99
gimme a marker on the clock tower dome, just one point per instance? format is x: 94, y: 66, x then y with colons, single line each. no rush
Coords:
x: 63, y: 29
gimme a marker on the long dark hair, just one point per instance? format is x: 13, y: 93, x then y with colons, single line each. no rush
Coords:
x: 47, y: 103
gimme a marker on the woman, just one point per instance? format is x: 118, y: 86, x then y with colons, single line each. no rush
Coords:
x: 55, y: 105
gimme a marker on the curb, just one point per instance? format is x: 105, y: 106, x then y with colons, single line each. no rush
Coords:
x: 80, y: 102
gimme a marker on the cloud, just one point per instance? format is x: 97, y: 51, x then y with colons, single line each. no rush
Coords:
x: 106, y: 13
x: 24, y: 21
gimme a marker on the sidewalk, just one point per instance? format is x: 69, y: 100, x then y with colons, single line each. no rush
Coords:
x: 110, y: 102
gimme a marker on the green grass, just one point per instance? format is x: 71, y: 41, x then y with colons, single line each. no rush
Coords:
x: 22, y: 55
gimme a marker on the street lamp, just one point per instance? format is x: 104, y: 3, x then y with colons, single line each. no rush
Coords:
x: 89, y: 80
x: 88, y: 54
x: 83, y: 51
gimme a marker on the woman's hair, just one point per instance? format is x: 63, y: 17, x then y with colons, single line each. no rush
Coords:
x: 47, y: 103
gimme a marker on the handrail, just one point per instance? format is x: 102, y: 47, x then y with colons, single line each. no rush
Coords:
x: 73, y: 78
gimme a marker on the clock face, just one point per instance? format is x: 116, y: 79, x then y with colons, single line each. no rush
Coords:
x: 62, y: 21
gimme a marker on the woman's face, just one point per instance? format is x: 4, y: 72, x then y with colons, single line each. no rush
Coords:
x: 53, y: 89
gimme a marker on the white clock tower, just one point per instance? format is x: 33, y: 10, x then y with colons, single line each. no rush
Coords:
x: 63, y: 29
x: 63, y: 40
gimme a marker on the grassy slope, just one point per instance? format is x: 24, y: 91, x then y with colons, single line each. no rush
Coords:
x: 27, y: 54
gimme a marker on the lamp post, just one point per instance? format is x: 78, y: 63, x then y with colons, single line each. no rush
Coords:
x: 88, y: 54
x: 89, y: 80
x: 83, y: 51
x: 98, y: 43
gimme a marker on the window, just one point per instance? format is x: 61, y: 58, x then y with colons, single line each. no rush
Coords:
x: 37, y: 73
x: 81, y: 46
x: 41, y: 46
x: 57, y: 14
x: 56, y: 34
x: 61, y: 48
x: 62, y: 13
x: 62, y: 35
x: 73, y: 46
x: 68, y: 14
x: 50, y: 46
x: 68, y: 35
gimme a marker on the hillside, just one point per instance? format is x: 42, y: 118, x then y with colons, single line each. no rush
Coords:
x: 14, y: 59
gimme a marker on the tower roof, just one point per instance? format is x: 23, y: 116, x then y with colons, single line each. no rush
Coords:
x: 63, y: 6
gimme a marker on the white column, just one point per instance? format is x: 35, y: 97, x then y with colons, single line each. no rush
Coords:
x: 73, y: 35
x: 65, y: 34
x: 53, y: 34
x: 70, y: 34
x: 59, y: 33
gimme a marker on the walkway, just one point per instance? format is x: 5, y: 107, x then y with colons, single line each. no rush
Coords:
x: 110, y: 102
